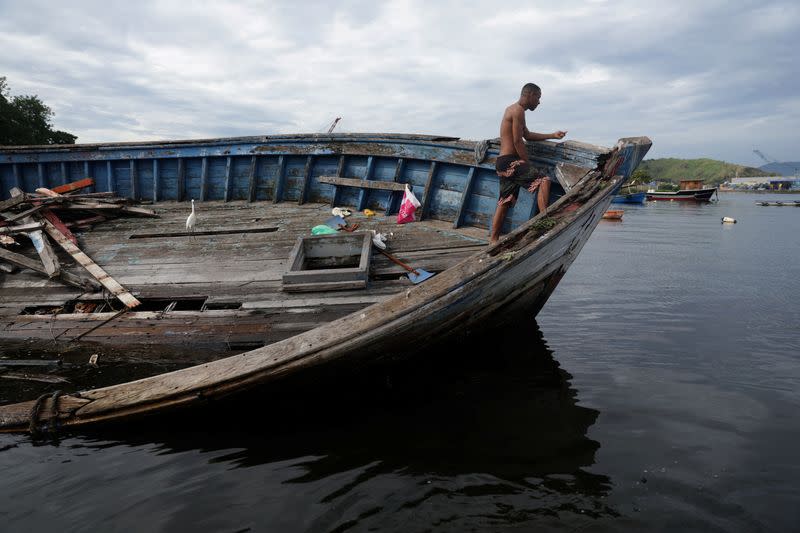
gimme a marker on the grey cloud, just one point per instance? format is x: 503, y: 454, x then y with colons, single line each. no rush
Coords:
x: 699, y: 78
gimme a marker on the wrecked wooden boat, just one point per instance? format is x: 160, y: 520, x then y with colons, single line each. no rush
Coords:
x: 248, y: 279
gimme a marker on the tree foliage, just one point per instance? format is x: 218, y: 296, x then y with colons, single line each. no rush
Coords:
x: 26, y: 120
x: 710, y: 171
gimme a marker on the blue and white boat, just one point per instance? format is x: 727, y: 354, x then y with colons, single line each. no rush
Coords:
x: 630, y: 198
x: 256, y: 199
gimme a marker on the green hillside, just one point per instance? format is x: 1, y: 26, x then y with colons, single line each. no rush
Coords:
x: 711, y: 171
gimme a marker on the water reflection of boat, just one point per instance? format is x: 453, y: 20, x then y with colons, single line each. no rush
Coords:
x: 480, y: 427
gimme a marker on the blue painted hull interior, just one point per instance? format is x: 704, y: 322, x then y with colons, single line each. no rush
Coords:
x: 226, y: 287
x: 442, y: 172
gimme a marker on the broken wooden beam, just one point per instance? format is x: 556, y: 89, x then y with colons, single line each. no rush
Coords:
x: 74, y: 186
x: 93, y: 268
x: 99, y: 206
x: 30, y: 362
x: 12, y: 202
x: 21, y: 228
x: 51, y: 217
x: 42, y: 378
x: 42, y: 245
x: 23, y: 261
x: 199, y: 233
x: 363, y: 184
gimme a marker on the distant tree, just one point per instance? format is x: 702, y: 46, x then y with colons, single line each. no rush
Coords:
x: 641, y: 175
x: 26, y: 120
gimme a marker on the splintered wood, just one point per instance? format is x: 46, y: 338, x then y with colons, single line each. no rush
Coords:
x: 54, y: 211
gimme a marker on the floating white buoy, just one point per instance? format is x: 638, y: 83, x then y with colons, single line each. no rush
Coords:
x: 728, y: 220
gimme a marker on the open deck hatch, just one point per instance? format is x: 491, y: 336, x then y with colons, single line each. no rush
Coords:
x: 329, y: 263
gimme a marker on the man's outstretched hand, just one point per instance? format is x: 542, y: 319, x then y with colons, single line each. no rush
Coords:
x: 559, y: 134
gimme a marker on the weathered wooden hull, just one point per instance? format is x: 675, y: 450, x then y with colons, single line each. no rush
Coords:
x: 493, y: 285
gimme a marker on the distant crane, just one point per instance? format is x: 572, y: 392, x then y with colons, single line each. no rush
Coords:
x: 191, y: 220
x: 760, y: 154
x: 333, y: 124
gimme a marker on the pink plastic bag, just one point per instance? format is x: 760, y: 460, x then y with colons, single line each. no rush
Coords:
x: 407, y: 207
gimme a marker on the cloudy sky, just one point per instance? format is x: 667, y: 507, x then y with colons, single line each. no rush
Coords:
x: 702, y: 78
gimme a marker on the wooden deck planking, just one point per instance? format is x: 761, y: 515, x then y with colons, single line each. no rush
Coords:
x: 241, y: 268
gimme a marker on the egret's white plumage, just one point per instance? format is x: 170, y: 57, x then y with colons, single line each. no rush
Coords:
x: 191, y: 219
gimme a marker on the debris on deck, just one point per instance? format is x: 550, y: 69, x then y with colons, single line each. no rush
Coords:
x: 52, y: 212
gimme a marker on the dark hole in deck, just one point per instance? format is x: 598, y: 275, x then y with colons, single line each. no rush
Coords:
x: 221, y: 306
x: 110, y: 306
x: 327, y: 263
x: 200, y: 233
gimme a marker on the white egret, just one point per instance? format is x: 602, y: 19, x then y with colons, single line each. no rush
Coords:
x: 191, y: 220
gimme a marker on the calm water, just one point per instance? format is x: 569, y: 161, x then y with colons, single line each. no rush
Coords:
x: 660, y: 390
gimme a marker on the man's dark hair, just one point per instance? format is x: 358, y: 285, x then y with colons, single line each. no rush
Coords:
x: 530, y: 88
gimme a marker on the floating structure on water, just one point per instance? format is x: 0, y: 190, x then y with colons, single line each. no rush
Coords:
x: 222, y: 288
x: 792, y: 203
x: 690, y: 190
x: 613, y: 214
x: 630, y: 198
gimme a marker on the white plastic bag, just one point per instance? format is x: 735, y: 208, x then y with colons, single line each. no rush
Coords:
x: 407, y: 207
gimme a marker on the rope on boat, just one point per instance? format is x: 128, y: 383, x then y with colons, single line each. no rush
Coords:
x: 33, y: 427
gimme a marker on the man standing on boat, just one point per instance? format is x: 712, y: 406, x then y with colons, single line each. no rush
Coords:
x: 513, y: 166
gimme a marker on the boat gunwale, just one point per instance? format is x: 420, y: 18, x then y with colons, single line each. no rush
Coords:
x: 490, y: 257
x: 90, y: 402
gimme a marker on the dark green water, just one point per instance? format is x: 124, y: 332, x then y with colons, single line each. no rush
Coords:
x: 660, y: 390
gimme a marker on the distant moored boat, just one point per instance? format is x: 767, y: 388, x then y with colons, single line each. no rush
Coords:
x: 690, y: 190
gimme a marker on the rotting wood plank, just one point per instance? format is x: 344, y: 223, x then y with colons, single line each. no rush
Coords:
x: 109, y: 176
x: 87, y: 172
x: 40, y: 243
x: 306, y: 186
x: 363, y: 184
x: 394, y: 200
x: 363, y: 194
x: 13, y: 202
x: 280, y: 177
x: 26, y: 262
x: 226, y: 194
x: 73, y: 186
x: 95, y: 206
x: 464, y: 199
x: 54, y: 220
x: 156, y: 180
x: 93, y: 268
x: 204, y: 179
x: 251, y: 179
x: 17, y: 175
x: 339, y: 173
x: 181, y: 179
x: 211, y: 232
x: 134, y: 180
x: 24, y: 214
x: 426, y: 200
x: 22, y: 228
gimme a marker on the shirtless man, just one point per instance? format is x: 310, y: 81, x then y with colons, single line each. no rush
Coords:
x: 512, y: 165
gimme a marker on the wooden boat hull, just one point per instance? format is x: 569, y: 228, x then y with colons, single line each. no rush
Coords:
x: 495, y: 284
x: 690, y: 195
